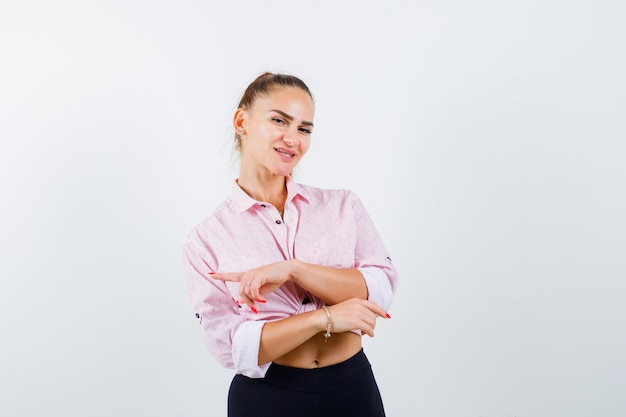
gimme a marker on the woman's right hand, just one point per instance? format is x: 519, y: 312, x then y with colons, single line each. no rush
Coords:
x: 354, y: 314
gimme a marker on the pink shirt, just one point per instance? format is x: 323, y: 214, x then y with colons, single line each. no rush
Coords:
x: 324, y: 227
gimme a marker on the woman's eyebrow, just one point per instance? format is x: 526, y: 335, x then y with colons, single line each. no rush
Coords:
x: 290, y: 118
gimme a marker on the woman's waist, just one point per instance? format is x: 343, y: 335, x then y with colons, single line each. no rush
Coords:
x: 318, y: 352
x: 354, y: 369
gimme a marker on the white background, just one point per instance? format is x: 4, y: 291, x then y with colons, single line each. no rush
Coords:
x: 486, y: 139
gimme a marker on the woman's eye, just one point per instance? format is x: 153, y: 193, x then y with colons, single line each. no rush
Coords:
x: 278, y: 120
x: 305, y: 130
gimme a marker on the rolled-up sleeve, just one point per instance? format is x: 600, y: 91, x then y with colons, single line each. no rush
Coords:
x: 372, y: 259
x: 230, y: 337
x: 246, y: 343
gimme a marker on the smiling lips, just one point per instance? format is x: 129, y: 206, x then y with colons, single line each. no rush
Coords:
x: 284, y: 153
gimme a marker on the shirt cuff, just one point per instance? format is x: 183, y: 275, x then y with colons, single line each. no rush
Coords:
x: 378, y: 287
x: 246, y: 343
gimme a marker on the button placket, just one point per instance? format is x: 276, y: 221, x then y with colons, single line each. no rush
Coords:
x: 291, y: 223
x: 277, y: 221
x: 279, y: 233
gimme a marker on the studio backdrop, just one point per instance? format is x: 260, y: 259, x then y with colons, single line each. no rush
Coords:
x: 486, y: 140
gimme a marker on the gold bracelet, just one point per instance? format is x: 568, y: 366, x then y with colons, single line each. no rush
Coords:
x: 330, y: 324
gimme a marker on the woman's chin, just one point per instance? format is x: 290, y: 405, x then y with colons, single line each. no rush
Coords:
x: 284, y: 171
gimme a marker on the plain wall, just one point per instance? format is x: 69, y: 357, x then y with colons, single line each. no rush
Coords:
x: 486, y: 139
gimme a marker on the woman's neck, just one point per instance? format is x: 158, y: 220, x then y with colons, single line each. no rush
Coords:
x: 270, y: 188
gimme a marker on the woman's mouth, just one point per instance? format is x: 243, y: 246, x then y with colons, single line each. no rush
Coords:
x: 285, y: 154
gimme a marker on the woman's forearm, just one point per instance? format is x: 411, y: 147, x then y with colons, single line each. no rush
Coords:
x: 332, y: 285
x: 282, y: 336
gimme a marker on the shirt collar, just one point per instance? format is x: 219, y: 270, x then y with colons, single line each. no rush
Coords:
x: 244, y: 202
x: 296, y: 190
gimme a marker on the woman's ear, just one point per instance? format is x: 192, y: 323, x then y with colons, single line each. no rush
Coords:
x: 239, y: 121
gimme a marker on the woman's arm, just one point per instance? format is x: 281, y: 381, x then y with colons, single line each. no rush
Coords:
x: 331, y: 285
x: 282, y: 336
x: 371, y: 276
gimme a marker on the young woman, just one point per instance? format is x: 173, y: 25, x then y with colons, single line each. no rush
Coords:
x: 284, y: 278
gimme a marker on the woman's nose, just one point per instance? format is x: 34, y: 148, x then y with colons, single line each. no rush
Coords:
x: 291, y: 138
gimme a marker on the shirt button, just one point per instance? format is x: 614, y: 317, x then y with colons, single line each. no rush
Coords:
x: 278, y: 222
x: 263, y: 205
x: 197, y: 315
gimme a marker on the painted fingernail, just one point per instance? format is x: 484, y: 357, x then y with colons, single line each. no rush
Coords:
x: 253, y: 308
x: 260, y: 300
x: 211, y: 273
x: 387, y: 315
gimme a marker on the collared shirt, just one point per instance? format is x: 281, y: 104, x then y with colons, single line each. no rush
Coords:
x: 323, y: 227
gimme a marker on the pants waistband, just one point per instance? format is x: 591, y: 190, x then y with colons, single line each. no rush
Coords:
x: 323, y: 379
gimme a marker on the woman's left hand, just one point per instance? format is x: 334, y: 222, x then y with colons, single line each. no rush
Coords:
x: 258, y: 281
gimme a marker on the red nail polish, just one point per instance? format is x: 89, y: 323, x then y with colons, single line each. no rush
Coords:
x: 261, y: 300
x: 253, y: 308
x: 387, y: 315
x: 211, y: 273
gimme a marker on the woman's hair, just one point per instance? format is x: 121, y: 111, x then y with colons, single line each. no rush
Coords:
x: 263, y: 85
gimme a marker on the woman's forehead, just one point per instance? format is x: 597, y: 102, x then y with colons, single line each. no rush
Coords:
x: 287, y: 99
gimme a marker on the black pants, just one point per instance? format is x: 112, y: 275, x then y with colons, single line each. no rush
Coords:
x: 343, y: 390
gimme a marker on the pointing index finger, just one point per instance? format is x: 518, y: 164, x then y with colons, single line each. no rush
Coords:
x: 226, y: 276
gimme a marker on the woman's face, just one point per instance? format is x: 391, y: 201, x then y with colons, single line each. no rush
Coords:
x: 276, y: 131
